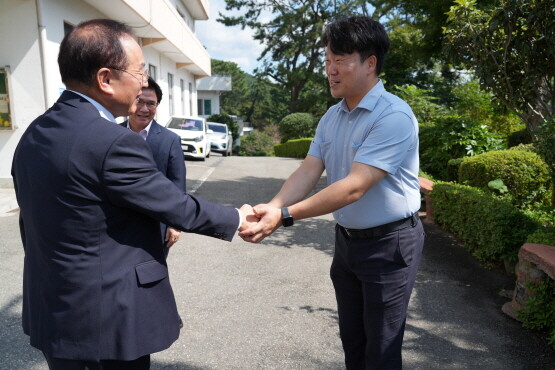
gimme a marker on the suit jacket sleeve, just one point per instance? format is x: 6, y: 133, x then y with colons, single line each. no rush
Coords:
x: 132, y: 180
x: 176, y: 167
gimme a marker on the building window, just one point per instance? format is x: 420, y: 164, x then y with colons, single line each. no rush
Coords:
x: 170, y: 93
x: 204, y: 107
x: 152, y: 72
x: 191, y: 99
x: 182, y: 87
x: 68, y: 27
x: 208, y: 107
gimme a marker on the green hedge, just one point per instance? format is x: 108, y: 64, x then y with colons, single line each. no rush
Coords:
x: 539, y: 309
x: 524, y: 173
x: 297, y: 148
x: 491, y: 228
x: 296, y: 126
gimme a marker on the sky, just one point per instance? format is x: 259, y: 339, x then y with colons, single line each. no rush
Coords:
x: 228, y: 43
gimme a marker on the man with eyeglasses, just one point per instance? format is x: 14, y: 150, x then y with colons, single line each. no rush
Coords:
x: 96, y: 289
x: 165, y: 146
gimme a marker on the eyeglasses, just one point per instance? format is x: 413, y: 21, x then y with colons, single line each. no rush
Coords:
x: 148, y: 104
x: 144, y: 74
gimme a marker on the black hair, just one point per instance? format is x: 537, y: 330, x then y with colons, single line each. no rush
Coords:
x: 90, y: 46
x: 358, y: 34
x: 152, y: 85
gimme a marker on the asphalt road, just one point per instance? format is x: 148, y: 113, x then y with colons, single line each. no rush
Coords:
x: 272, y: 306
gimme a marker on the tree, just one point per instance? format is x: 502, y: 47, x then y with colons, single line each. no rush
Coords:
x: 292, y: 56
x: 510, y: 48
x: 236, y: 101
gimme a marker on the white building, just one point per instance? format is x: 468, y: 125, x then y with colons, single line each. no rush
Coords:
x: 30, y: 35
x: 209, y: 90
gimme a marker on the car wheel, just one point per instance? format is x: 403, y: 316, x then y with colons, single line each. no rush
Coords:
x: 208, y: 154
x: 225, y: 153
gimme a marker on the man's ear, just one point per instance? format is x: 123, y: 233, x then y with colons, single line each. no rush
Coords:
x: 371, y: 64
x: 104, y: 79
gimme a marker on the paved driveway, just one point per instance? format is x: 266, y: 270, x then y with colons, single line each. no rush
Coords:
x: 271, y: 305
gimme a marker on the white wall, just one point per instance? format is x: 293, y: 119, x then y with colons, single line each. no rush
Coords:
x: 20, y: 51
x: 211, y: 95
x: 55, y: 12
x: 164, y: 66
x: 19, y: 43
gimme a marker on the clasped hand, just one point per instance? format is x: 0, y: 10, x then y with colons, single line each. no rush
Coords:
x: 259, y: 222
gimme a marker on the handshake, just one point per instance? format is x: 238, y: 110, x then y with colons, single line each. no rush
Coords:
x: 258, y: 222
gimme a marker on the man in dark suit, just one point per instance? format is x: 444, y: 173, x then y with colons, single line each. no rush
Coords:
x: 96, y: 290
x: 165, y: 146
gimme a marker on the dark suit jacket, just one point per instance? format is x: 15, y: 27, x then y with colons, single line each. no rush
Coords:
x: 95, y: 282
x: 168, y: 155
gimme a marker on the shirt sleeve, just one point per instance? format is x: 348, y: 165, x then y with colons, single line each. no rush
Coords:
x: 388, y: 142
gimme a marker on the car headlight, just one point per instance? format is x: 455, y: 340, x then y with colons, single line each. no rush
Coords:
x: 199, y: 138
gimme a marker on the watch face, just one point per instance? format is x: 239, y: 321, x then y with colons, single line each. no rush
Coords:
x: 287, y: 221
x: 286, y: 218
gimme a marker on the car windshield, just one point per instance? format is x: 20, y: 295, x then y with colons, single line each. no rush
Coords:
x: 217, y: 128
x: 186, y: 124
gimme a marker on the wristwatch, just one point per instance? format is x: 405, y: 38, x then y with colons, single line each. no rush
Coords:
x: 286, y: 218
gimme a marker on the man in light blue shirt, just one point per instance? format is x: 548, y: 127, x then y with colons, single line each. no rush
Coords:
x: 368, y: 145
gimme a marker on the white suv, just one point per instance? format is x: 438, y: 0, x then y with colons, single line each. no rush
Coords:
x: 193, y: 132
x: 221, y: 139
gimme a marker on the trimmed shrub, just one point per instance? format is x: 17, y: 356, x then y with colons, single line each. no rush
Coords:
x: 296, y: 126
x: 545, y: 234
x: 256, y: 143
x: 539, y: 309
x: 524, y: 173
x: 453, y: 169
x: 491, y: 228
x: 525, y: 147
x: 297, y: 148
x: 453, y: 137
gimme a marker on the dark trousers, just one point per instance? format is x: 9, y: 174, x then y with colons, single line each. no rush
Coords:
x: 373, y: 280
x: 142, y: 363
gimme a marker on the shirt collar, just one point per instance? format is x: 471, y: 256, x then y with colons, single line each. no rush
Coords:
x: 369, y: 100
x: 104, y: 113
x: 147, y: 128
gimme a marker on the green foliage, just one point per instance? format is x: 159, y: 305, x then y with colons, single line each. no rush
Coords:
x: 510, y: 47
x: 297, y: 148
x: 425, y: 175
x: 524, y: 173
x: 453, y: 137
x: 250, y: 96
x: 545, y: 234
x: 519, y: 137
x: 236, y: 101
x: 525, y: 147
x: 473, y: 102
x: 230, y: 122
x: 453, y: 169
x: 539, y: 308
x: 485, y: 223
x: 292, y: 55
x: 422, y: 103
x: 498, y: 185
x: 296, y: 126
x: 257, y: 144
x: 545, y: 144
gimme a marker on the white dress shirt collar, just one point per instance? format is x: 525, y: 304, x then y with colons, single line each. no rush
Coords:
x: 104, y: 113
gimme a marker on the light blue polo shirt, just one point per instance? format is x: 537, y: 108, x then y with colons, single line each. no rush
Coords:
x: 381, y: 132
